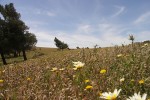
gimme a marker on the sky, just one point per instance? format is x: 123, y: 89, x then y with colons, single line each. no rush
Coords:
x: 85, y: 23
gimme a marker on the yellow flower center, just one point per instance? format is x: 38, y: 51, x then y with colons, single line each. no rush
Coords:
x: 111, y: 97
x: 114, y: 97
x: 108, y: 97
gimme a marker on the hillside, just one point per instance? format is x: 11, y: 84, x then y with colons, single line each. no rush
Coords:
x: 49, y: 74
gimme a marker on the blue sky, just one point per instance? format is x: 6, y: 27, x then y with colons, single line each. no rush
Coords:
x: 85, y: 23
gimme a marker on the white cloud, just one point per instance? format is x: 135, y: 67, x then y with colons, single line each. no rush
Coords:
x: 121, y: 9
x: 143, y: 18
x: 43, y: 12
x: 112, y: 34
x: 84, y: 29
x: 108, y: 34
x: 51, y: 14
x: 34, y: 24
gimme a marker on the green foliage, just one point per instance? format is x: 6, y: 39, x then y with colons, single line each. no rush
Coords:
x: 30, y: 40
x: 131, y: 37
x: 147, y: 41
x: 59, y: 44
x: 14, y: 36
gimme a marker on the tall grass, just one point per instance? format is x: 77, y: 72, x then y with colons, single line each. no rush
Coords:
x: 36, y: 78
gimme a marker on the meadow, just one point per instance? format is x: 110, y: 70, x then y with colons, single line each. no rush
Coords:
x: 53, y: 76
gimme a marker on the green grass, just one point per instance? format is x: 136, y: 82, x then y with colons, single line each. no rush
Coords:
x: 40, y: 51
x: 69, y: 84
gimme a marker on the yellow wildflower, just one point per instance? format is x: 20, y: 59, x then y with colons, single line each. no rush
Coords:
x: 28, y: 79
x: 54, y: 69
x: 86, y: 81
x: 119, y: 55
x: 1, y: 81
x: 62, y: 69
x: 102, y: 71
x: 141, y: 81
x: 88, y: 87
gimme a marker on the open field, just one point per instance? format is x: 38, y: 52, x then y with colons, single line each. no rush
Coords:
x: 53, y: 76
x: 30, y: 55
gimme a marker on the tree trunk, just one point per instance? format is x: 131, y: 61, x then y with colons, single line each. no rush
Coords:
x: 24, y: 55
x: 15, y: 54
x: 3, y: 58
x: 19, y: 54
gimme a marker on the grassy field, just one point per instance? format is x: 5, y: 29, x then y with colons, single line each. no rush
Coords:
x: 50, y: 74
x: 40, y: 51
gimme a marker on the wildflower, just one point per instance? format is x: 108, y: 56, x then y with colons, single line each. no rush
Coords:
x: 86, y: 81
x: 110, y: 96
x: 28, y: 79
x: 54, y: 69
x: 132, y: 80
x: 74, y: 76
x: 62, y: 69
x: 122, y: 79
x: 75, y: 68
x: 88, y: 87
x: 143, y: 46
x: 141, y: 81
x: 78, y: 67
x: 1, y: 81
x: 138, y: 97
x: 2, y: 71
x: 102, y: 71
x: 100, y: 93
x: 78, y: 64
x: 119, y: 55
x: 146, y: 44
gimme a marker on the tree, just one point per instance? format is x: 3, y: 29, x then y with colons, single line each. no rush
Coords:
x: 146, y: 41
x: 131, y: 37
x: 14, y: 34
x: 61, y: 45
x: 3, y: 41
x: 30, y: 40
x: 15, y: 28
x: 78, y: 47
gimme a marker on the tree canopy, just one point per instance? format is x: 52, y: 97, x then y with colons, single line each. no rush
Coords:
x: 14, y: 35
x: 61, y: 45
